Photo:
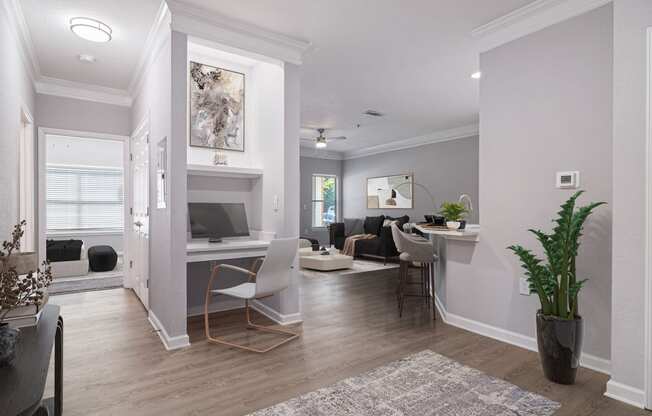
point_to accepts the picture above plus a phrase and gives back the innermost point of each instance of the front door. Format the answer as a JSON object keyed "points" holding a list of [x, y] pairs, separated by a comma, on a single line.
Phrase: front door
{"points": [[139, 211]]}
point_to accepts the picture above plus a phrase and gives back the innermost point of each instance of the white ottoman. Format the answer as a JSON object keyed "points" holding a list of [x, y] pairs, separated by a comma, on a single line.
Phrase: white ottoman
{"points": [[326, 263]]}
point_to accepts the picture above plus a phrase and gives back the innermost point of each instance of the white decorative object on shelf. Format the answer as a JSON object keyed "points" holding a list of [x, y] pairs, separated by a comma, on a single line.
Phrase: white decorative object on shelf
{"points": [[220, 158]]}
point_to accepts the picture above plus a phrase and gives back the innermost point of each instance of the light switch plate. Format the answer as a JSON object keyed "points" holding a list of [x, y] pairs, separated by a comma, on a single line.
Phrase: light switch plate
{"points": [[524, 287]]}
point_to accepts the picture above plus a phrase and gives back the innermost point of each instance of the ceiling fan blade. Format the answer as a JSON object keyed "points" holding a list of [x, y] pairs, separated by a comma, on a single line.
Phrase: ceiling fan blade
{"points": [[306, 139], [337, 138]]}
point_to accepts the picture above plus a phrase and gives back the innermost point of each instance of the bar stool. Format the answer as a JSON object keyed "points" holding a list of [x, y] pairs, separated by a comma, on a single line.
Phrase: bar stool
{"points": [[414, 249]]}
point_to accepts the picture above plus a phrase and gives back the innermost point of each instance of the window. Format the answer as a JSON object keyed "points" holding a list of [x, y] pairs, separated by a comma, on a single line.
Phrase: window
{"points": [[324, 200], [84, 199]]}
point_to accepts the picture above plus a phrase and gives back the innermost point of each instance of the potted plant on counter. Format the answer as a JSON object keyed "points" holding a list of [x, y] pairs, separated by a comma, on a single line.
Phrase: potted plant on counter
{"points": [[20, 287], [555, 282], [454, 212]]}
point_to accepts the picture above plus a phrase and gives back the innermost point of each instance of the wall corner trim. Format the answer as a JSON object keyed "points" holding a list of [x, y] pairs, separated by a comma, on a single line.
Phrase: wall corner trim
{"points": [[17, 24], [435, 137], [79, 91], [591, 362], [275, 316], [529, 19], [625, 394], [170, 343], [210, 25]]}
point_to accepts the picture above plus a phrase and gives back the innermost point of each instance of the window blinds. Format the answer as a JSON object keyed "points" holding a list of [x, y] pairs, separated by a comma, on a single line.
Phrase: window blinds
{"points": [[84, 199]]}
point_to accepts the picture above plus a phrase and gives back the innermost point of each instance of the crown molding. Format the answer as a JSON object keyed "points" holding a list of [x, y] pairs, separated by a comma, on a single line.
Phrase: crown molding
{"points": [[311, 151], [529, 19], [17, 24], [155, 40], [207, 24], [436, 137], [80, 91]]}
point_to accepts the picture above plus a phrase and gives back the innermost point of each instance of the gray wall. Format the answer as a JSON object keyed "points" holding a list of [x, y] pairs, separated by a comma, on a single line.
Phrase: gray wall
{"points": [[545, 106], [72, 114], [15, 91], [631, 19], [447, 169], [310, 166]]}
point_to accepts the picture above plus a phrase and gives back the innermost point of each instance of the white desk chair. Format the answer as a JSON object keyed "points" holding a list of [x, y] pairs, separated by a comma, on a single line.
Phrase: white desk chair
{"points": [[272, 277]]}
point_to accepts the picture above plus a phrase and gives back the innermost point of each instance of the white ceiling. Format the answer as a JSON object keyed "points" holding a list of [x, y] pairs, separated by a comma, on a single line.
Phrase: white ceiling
{"points": [[411, 63], [57, 48], [409, 59]]}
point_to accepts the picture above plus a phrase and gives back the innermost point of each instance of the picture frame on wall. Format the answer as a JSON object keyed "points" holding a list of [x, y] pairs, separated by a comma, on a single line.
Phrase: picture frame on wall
{"points": [[217, 108], [390, 192]]}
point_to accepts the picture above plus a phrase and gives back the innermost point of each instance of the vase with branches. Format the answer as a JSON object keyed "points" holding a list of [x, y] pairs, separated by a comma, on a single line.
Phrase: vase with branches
{"points": [[557, 285], [17, 288]]}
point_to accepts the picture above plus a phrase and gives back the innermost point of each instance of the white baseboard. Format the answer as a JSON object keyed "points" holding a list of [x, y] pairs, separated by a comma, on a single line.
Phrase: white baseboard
{"points": [[170, 343], [591, 362], [223, 305], [272, 314], [625, 394]]}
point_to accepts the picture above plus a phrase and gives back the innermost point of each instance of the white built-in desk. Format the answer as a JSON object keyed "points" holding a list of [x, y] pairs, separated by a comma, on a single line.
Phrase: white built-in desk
{"points": [[197, 251]]}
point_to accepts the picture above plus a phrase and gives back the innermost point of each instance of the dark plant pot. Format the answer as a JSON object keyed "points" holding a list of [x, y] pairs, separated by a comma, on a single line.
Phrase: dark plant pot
{"points": [[560, 347], [8, 340]]}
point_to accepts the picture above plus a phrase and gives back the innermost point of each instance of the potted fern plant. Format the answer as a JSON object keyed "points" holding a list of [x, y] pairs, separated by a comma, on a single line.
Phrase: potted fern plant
{"points": [[555, 282], [454, 212]]}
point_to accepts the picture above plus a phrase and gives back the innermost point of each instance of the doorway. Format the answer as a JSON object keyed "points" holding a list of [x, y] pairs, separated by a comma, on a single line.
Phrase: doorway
{"points": [[82, 182]]}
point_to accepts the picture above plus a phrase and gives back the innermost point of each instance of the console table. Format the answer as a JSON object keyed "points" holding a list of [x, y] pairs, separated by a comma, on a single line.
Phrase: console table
{"points": [[23, 383]]}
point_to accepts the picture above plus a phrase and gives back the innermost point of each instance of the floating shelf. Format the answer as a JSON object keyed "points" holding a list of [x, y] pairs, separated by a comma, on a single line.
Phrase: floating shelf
{"points": [[224, 171]]}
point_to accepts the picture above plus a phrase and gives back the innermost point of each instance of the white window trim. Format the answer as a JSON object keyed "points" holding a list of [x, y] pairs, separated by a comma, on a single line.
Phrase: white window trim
{"points": [[312, 201]]}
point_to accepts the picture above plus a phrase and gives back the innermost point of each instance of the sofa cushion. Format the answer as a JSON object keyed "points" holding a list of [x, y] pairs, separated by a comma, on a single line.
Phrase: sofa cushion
{"points": [[63, 250], [352, 226], [373, 225], [400, 221]]}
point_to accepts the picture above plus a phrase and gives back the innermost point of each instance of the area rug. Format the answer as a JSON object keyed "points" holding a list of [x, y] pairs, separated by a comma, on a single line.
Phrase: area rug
{"points": [[422, 384], [359, 266]]}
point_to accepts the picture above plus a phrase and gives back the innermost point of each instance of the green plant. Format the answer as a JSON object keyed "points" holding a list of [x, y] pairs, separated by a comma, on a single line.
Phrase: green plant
{"points": [[556, 283], [453, 211], [17, 290]]}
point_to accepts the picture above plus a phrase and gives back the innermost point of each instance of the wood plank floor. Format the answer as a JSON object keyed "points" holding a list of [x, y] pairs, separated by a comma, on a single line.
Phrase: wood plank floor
{"points": [[116, 365]]}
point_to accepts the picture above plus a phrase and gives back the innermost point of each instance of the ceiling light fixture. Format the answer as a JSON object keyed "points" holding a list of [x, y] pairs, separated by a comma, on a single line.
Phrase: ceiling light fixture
{"points": [[90, 29], [476, 75], [319, 144]]}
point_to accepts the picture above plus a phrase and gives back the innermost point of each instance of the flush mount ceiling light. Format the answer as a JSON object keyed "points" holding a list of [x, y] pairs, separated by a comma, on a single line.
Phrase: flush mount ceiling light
{"points": [[476, 75], [90, 29]]}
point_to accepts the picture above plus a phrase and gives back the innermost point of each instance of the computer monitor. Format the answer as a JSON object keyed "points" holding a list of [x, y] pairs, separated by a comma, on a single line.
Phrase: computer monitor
{"points": [[216, 221]]}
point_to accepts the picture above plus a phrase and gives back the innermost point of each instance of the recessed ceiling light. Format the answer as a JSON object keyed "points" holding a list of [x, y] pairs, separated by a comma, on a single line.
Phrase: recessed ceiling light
{"points": [[87, 58], [90, 29], [476, 75]]}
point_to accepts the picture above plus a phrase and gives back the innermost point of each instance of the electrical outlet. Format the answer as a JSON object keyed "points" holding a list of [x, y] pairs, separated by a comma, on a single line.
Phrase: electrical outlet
{"points": [[524, 286]]}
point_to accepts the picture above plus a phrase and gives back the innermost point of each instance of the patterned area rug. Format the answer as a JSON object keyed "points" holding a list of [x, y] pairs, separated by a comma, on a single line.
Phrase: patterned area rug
{"points": [[359, 266], [419, 385]]}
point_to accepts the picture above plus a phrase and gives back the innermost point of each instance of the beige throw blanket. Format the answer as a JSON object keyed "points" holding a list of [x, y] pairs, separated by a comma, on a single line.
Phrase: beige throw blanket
{"points": [[349, 243]]}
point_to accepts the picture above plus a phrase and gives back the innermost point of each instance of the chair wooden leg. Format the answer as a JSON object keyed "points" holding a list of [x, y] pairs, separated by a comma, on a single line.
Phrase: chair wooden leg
{"points": [[404, 278]]}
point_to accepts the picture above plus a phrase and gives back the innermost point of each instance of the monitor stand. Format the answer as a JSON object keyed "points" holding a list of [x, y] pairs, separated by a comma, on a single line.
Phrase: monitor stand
{"points": [[214, 240]]}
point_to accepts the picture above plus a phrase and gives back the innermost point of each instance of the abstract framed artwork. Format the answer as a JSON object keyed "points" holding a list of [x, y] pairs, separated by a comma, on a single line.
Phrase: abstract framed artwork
{"points": [[217, 108], [390, 192]]}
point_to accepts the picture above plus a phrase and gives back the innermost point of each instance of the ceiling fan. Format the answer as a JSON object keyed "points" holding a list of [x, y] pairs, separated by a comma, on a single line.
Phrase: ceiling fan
{"points": [[321, 141]]}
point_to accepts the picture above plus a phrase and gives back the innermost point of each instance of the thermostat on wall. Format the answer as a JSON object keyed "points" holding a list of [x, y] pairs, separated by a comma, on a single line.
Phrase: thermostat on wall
{"points": [[568, 180]]}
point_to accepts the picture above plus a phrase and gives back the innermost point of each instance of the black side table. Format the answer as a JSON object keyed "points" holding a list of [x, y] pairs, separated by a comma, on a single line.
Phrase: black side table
{"points": [[23, 383]]}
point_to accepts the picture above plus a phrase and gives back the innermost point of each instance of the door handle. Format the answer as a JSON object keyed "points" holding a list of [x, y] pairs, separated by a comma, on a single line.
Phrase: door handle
{"points": [[138, 224]]}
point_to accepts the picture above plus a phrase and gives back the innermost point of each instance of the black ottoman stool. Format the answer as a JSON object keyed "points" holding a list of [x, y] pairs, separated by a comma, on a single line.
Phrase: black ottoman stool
{"points": [[102, 258]]}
